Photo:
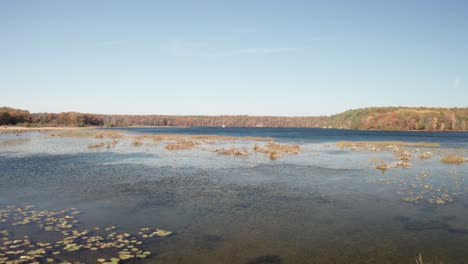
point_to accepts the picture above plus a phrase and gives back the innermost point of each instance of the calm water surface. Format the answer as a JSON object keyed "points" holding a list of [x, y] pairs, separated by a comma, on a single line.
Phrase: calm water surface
{"points": [[325, 205]]}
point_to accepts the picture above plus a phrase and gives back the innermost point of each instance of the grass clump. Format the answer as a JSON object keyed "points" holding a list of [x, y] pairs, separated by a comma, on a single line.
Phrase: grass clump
{"points": [[182, 145], [426, 155], [99, 134], [274, 150], [233, 152], [382, 144], [137, 143], [453, 159], [97, 145], [382, 167]]}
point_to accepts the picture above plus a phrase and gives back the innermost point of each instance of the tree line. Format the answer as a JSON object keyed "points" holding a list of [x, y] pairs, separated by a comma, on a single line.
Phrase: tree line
{"points": [[379, 118]]}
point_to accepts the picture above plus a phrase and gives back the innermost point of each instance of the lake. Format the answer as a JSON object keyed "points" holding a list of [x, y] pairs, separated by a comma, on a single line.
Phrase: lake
{"points": [[325, 204]]}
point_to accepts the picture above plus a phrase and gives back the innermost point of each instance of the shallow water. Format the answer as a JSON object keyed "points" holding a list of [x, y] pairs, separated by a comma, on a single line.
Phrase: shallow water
{"points": [[324, 205]]}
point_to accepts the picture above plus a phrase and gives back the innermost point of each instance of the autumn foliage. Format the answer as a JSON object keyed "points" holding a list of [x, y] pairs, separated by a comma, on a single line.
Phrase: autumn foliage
{"points": [[378, 118]]}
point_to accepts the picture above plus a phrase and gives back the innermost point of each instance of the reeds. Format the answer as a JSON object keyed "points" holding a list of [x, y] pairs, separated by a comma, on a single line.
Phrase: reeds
{"points": [[274, 150], [136, 142], [382, 144], [99, 134], [182, 145], [453, 159], [97, 145], [382, 167], [240, 152]]}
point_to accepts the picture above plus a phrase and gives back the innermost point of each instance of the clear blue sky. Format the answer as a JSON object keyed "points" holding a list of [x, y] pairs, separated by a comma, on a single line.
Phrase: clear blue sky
{"points": [[232, 57]]}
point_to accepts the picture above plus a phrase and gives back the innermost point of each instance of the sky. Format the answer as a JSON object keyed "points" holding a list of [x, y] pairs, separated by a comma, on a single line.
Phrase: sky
{"points": [[287, 58]]}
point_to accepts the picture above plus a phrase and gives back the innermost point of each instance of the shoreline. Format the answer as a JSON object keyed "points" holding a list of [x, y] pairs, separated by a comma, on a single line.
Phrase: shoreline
{"points": [[20, 129]]}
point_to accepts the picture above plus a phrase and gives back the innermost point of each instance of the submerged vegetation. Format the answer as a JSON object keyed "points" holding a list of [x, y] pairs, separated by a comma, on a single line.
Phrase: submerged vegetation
{"points": [[379, 118]]}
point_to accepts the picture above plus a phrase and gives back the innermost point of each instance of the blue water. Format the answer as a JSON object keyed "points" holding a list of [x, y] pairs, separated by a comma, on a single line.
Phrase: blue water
{"points": [[449, 139], [323, 205]]}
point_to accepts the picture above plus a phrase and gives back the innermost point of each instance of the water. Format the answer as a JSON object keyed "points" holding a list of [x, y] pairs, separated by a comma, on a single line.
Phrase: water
{"points": [[324, 205], [314, 134]]}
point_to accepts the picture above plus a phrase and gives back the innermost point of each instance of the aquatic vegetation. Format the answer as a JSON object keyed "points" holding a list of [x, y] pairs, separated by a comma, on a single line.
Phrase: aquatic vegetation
{"points": [[97, 145], [453, 159], [382, 167], [232, 152], [203, 137], [275, 150], [137, 142], [91, 133], [426, 155], [105, 241], [378, 145], [183, 145]]}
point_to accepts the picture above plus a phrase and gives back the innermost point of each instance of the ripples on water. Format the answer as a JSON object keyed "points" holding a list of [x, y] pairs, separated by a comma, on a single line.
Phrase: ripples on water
{"points": [[325, 205]]}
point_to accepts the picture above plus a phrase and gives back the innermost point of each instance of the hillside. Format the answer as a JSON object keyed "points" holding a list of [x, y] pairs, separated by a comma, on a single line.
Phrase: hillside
{"points": [[379, 118], [402, 118]]}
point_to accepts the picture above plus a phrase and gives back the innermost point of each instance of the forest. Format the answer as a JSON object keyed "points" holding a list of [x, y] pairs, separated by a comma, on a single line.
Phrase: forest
{"points": [[374, 118]]}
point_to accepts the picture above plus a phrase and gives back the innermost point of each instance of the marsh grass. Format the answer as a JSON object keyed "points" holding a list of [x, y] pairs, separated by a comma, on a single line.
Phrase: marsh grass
{"points": [[181, 145], [137, 142], [99, 134], [382, 144], [97, 145], [275, 150], [382, 167], [426, 155], [453, 159], [240, 152]]}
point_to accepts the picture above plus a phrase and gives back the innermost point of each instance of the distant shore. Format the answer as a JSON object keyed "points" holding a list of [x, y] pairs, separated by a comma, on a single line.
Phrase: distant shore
{"points": [[20, 129], [23, 129]]}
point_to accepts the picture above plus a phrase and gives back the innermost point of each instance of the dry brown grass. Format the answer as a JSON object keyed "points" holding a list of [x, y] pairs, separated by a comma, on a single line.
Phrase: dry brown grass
{"points": [[137, 142], [426, 155], [253, 138], [381, 144], [19, 129], [183, 145], [103, 144], [382, 166], [100, 134], [240, 152], [453, 159], [97, 145], [285, 148], [274, 150], [180, 137]]}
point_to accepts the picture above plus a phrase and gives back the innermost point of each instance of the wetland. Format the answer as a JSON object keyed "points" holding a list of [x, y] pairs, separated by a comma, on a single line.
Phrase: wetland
{"points": [[233, 195]]}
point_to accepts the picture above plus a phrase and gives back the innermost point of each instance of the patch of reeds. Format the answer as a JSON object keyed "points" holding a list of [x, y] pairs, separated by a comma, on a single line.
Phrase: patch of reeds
{"points": [[240, 152], [274, 150], [426, 155], [103, 144], [100, 134], [382, 167], [382, 144], [97, 145], [182, 145], [137, 142], [203, 137], [453, 159]]}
